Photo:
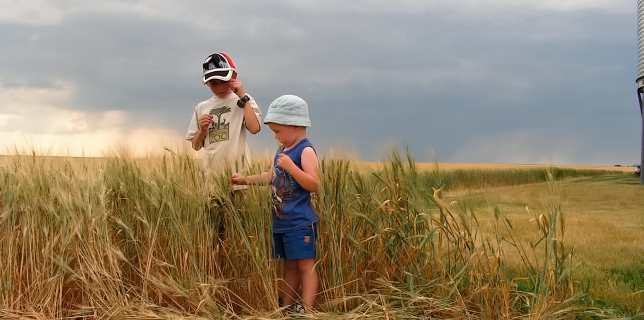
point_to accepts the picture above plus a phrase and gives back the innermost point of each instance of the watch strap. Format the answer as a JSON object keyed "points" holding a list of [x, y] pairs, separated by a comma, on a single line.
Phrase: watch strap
{"points": [[243, 100]]}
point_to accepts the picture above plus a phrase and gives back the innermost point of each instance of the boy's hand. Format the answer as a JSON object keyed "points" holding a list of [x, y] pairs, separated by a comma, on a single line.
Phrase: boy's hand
{"points": [[204, 122], [285, 162], [237, 179], [237, 87]]}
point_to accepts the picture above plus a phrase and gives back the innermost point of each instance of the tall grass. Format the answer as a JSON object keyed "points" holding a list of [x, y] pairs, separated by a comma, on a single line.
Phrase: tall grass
{"points": [[158, 238]]}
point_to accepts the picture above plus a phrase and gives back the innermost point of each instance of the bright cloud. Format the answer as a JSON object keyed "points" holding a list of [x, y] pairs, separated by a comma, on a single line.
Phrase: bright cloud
{"points": [[36, 119]]}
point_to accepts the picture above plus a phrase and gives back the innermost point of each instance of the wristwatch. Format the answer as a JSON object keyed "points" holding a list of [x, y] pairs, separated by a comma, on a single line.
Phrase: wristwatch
{"points": [[242, 101]]}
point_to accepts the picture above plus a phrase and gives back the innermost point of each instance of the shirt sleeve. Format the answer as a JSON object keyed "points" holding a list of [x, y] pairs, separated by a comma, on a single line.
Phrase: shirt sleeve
{"points": [[258, 112], [193, 126]]}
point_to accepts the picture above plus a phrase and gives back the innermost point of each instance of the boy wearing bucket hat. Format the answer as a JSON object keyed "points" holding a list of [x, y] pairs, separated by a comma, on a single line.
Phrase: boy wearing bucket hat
{"points": [[293, 178], [218, 125]]}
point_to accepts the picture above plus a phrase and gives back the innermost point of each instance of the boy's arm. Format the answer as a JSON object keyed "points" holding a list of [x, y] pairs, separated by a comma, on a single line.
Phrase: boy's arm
{"points": [[200, 136], [260, 179], [198, 140], [198, 129], [251, 120], [307, 177]]}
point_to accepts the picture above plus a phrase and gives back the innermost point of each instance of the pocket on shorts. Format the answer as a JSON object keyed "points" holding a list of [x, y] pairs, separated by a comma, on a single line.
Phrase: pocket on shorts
{"points": [[310, 234]]}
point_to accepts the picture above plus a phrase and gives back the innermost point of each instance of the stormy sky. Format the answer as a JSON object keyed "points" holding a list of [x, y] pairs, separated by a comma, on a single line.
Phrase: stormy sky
{"points": [[460, 81]]}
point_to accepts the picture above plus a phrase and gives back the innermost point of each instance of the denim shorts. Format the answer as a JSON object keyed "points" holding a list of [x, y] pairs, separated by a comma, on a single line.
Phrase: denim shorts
{"points": [[295, 244]]}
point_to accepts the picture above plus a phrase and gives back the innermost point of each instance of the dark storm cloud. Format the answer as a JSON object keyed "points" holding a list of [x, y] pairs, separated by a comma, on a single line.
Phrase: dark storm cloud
{"points": [[435, 79]]}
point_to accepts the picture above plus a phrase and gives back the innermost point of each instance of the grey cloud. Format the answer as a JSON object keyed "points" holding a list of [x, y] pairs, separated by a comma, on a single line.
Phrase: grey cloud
{"points": [[436, 78]]}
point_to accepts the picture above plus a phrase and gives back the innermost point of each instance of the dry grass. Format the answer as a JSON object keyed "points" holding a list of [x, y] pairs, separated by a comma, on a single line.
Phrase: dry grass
{"points": [[604, 224], [154, 238]]}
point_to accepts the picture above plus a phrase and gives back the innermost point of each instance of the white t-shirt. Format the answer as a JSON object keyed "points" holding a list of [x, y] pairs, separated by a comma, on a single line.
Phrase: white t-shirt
{"points": [[225, 143]]}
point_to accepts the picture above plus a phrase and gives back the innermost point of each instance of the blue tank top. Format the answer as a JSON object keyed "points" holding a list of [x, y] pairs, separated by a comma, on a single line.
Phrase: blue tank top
{"points": [[292, 208]]}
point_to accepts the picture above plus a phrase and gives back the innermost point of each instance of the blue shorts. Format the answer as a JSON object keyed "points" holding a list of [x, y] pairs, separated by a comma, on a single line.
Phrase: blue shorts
{"points": [[295, 244]]}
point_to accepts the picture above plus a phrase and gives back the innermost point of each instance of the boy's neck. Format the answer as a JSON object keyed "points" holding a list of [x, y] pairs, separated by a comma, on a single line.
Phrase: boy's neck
{"points": [[223, 96], [301, 136]]}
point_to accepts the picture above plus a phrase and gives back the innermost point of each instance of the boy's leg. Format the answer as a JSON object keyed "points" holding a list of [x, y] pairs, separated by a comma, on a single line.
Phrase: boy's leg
{"points": [[219, 211], [216, 215], [287, 287], [291, 282], [310, 282], [299, 247]]}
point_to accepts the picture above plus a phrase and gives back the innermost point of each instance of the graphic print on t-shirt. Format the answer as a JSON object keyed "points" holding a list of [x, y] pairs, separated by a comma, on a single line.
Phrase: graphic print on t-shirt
{"points": [[219, 130], [283, 188]]}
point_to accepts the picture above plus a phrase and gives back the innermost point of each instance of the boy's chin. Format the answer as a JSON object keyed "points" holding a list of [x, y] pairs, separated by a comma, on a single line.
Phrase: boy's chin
{"points": [[222, 94]]}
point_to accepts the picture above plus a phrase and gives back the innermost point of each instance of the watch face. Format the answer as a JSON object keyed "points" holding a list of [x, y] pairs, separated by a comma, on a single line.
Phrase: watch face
{"points": [[242, 101]]}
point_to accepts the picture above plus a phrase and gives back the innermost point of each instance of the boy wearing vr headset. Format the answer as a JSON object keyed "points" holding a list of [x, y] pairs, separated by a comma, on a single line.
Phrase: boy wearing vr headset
{"points": [[218, 125]]}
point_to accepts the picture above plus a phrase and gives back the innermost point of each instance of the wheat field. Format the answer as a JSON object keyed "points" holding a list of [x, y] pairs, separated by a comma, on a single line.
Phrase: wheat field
{"points": [[155, 238]]}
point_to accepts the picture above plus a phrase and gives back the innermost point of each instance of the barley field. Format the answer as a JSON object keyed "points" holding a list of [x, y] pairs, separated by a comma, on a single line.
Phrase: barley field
{"points": [[155, 238]]}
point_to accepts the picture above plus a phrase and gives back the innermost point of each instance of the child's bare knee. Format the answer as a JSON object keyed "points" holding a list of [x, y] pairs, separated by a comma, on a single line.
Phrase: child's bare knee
{"points": [[306, 266], [291, 265]]}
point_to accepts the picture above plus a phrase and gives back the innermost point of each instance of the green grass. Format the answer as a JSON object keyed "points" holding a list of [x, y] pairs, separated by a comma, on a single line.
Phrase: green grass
{"points": [[478, 179], [605, 226], [125, 238]]}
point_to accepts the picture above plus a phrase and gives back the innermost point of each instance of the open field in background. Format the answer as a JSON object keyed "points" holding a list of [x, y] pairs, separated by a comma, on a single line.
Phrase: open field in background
{"points": [[143, 238], [504, 166], [372, 165], [604, 217]]}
